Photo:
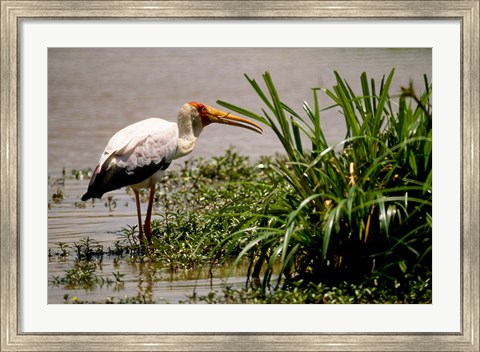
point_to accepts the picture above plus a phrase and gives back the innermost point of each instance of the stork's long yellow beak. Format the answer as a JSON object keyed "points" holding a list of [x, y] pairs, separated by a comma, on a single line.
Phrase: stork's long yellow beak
{"points": [[211, 115]]}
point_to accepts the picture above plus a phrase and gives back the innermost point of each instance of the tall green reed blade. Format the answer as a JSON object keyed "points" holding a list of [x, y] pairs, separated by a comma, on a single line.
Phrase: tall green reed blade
{"points": [[344, 100], [382, 100], [279, 113], [260, 93], [296, 135], [319, 143], [301, 123], [244, 112], [368, 99]]}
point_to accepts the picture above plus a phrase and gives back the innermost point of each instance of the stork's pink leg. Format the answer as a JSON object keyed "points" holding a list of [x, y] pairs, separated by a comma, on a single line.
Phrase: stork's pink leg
{"points": [[139, 215], [148, 227]]}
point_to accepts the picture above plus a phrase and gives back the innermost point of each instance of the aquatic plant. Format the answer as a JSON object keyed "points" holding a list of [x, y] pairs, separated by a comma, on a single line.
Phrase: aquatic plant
{"points": [[58, 196], [81, 274], [351, 210]]}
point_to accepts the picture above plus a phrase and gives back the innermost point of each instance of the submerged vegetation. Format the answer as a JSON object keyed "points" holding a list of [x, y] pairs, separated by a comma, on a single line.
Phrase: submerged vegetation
{"points": [[320, 223]]}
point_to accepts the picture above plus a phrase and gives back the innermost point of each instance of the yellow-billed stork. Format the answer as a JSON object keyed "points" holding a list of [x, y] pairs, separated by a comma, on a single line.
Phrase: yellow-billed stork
{"points": [[137, 155]]}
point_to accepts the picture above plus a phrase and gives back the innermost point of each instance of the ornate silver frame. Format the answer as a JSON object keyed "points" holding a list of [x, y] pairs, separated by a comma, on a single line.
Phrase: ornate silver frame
{"points": [[467, 12]]}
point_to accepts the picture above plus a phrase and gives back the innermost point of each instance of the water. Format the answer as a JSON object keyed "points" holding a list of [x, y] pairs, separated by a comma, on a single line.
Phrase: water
{"points": [[94, 92]]}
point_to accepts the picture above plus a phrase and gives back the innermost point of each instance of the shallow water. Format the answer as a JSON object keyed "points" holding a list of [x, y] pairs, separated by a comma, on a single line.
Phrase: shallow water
{"points": [[93, 92], [70, 221]]}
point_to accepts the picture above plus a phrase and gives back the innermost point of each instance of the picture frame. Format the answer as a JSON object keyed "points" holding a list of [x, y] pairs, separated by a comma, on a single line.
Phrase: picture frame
{"points": [[12, 12]]}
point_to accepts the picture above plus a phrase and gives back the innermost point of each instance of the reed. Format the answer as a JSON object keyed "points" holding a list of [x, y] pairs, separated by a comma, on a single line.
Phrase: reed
{"points": [[349, 211]]}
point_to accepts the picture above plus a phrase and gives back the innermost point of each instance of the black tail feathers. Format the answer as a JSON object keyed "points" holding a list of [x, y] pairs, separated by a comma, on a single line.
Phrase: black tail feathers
{"points": [[89, 195], [86, 196]]}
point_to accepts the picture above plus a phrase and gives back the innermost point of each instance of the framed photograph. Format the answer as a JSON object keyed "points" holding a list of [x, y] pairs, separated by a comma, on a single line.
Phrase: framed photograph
{"points": [[159, 55]]}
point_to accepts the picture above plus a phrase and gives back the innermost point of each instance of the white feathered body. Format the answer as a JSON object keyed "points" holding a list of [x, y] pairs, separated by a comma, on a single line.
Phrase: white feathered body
{"points": [[137, 156], [143, 143]]}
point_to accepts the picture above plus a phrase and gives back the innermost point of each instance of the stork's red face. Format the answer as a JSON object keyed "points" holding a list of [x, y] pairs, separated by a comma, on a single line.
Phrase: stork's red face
{"points": [[211, 115]]}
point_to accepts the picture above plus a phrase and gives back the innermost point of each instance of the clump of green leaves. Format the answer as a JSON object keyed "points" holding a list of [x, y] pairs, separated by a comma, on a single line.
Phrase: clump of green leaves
{"points": [[352, 210], [201, 203], [86, 248], [58, 196], [81, 275]]}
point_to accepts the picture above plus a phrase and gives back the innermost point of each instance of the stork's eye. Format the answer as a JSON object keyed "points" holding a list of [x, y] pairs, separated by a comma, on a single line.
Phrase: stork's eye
{"points": [[203, 109]]}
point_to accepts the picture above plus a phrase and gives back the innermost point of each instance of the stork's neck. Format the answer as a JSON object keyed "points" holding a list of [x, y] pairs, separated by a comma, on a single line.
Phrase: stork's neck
{"points": [[188, 131], [186, 144]]}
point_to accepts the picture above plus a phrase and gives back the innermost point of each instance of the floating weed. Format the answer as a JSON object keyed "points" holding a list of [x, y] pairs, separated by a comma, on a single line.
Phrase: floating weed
{"points": [[82, 274], [80, 205], [118, 277], [111, 203], [63, 248], [86, 248], [80, 174], [58, 196], [55, 280]]}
